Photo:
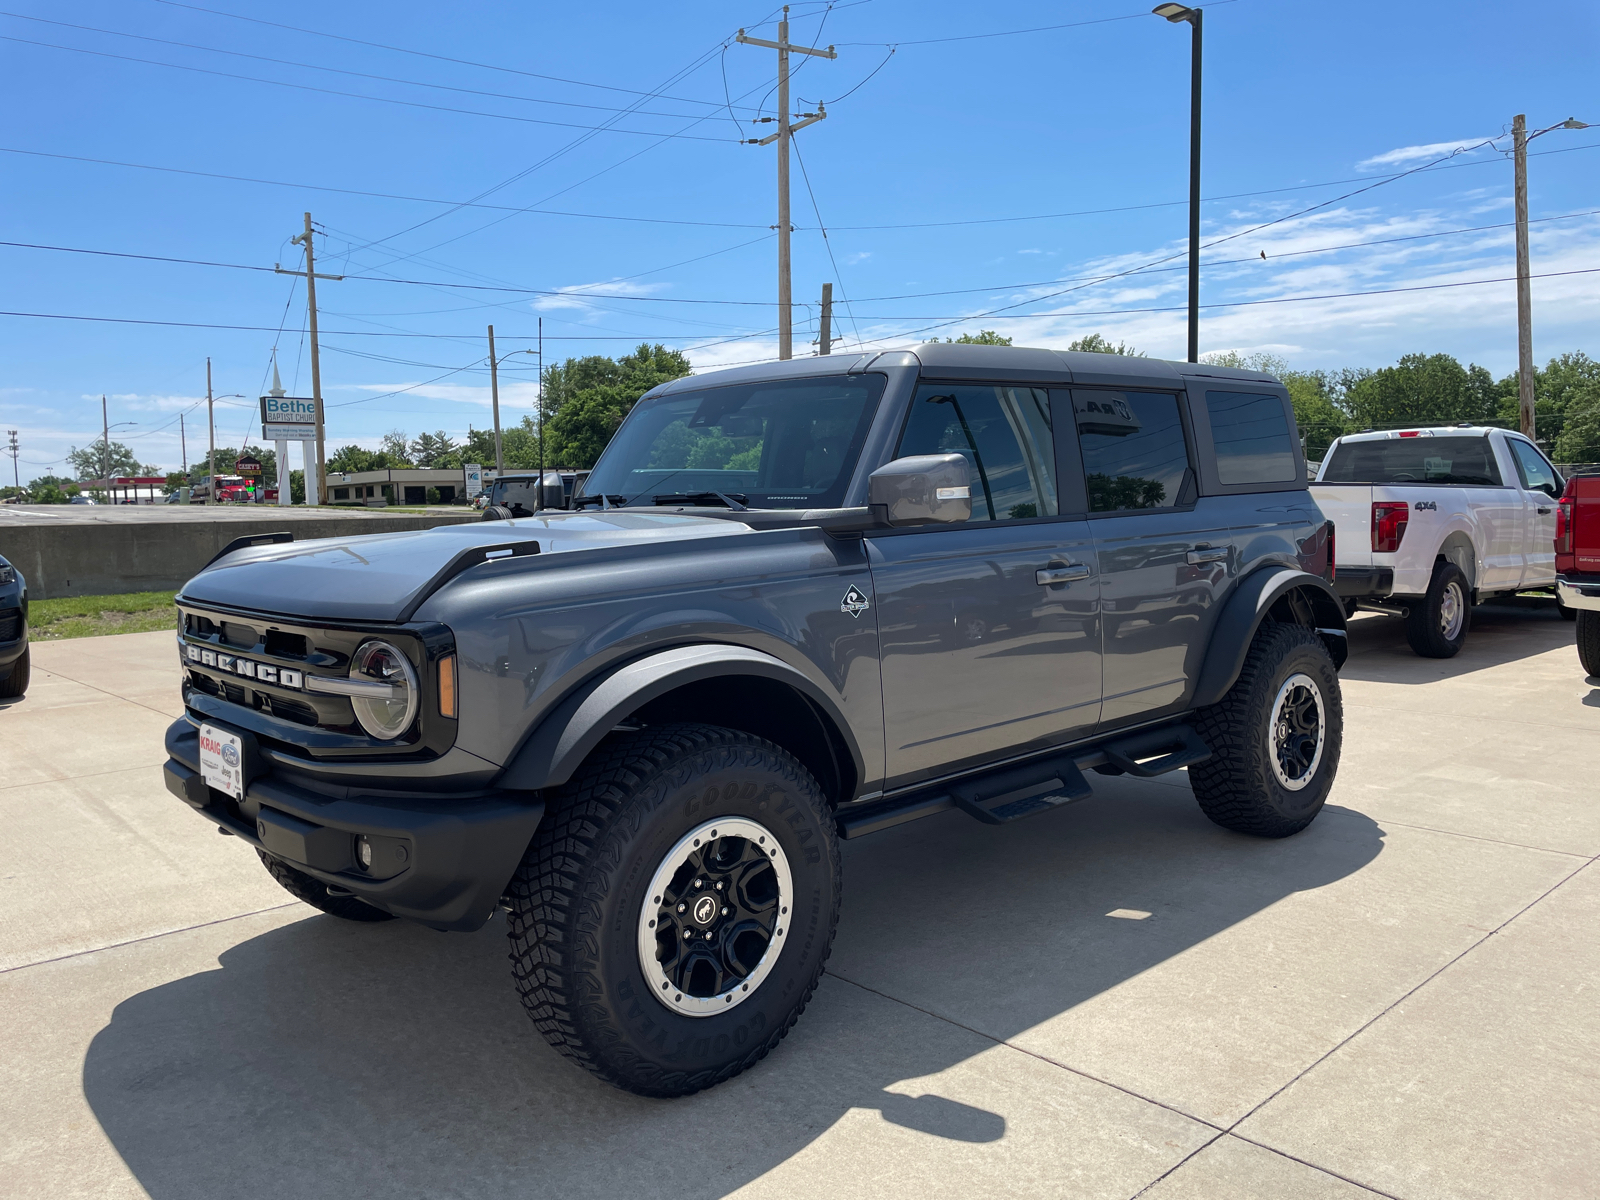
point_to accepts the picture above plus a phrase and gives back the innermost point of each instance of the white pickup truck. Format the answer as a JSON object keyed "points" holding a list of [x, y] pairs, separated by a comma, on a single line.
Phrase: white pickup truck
{"points": [[1429, 522]]}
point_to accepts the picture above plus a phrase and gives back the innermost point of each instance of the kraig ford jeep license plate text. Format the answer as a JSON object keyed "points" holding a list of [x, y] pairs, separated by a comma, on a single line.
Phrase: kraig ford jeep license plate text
{"points": [[222, 760]]}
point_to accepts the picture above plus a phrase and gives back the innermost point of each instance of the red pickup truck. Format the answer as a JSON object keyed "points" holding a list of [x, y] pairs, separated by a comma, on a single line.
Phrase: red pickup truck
{"points": [[1578, 562]]}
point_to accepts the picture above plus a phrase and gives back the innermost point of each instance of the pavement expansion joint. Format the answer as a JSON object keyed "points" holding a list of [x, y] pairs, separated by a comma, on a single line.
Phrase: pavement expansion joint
{"points": [[148, 937]]}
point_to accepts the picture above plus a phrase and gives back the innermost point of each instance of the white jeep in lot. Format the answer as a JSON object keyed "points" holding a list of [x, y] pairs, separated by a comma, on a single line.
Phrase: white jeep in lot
{"points": [[1429, 522]]}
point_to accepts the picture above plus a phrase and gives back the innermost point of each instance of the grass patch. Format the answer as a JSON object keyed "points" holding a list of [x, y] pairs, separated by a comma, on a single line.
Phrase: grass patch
{"points": [[92, 616]]}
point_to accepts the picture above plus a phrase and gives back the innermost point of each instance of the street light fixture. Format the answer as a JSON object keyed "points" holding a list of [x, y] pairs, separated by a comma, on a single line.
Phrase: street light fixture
{"points": [[1520, 137], [1178, 14]]}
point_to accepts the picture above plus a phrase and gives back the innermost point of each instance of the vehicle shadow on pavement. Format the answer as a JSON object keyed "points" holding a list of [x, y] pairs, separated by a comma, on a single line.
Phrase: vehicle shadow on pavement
{"points": [[329, 1058], [1503, 631]]}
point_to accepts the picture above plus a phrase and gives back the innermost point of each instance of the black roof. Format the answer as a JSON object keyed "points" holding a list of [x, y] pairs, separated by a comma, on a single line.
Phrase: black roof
{"points": [[952, 360]]}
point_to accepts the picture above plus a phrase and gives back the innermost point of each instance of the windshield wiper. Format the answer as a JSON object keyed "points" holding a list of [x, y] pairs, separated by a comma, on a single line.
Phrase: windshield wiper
{"points": [[603, 500], [734, 500]]}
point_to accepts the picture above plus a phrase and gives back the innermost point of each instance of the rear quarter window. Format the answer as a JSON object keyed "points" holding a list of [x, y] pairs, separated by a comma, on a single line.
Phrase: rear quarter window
{"points": [[1251, 436]]}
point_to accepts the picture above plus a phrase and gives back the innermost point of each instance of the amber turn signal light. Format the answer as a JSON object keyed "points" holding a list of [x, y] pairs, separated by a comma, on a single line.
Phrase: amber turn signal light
{"points": [[447, 686]]}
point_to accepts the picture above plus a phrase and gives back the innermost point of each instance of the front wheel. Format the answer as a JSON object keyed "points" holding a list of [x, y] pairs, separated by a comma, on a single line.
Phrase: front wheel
{"points": [[675, 910], [1275, 737], [1436, 626], [14, 684]]}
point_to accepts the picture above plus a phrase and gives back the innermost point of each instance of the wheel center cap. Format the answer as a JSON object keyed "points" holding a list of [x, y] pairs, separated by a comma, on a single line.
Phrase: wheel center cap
{"points": [[704, 910]]}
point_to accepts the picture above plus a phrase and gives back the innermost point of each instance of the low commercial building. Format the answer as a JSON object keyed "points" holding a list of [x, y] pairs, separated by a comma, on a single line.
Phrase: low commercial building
{"points": [[399, 485], [128, 489]]}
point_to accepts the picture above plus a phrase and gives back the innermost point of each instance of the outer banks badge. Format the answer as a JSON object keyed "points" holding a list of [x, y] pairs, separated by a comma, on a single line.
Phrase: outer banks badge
{"points": [[855, 602]]}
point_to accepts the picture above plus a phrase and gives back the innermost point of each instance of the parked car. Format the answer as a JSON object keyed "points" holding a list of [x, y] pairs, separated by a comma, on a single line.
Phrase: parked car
{"points": [[1433, 521], [792, 604], [1578, 563], [15, 665], [80, 500]]}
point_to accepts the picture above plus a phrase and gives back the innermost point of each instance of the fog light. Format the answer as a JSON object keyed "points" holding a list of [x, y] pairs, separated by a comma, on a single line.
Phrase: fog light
{"points": [[364, 851]]}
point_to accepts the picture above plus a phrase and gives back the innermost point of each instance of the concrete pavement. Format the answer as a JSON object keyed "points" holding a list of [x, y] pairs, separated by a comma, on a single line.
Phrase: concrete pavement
{"points": [[1111, 1000]]}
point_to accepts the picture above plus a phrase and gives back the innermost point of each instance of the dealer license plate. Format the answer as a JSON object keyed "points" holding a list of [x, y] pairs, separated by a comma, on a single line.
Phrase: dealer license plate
{"points": [[222, 760]]}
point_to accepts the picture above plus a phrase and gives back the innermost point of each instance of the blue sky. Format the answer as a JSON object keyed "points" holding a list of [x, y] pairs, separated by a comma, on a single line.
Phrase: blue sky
{"points": [[962, 174]]}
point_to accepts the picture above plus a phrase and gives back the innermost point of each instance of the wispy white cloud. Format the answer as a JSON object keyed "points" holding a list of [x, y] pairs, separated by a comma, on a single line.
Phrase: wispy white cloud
{"points": [[576, 295], [1405, 156]]}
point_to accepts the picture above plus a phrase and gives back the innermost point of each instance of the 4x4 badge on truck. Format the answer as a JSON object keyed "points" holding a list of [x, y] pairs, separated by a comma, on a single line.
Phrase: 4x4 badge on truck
{"points": [[855, 602]]}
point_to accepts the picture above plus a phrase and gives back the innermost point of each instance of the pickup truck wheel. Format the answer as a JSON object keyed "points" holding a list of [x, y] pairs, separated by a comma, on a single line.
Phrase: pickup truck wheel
{"points": [[1275, 737], [1589, 641], [1437, 625], [14, 684], [673, 915], [315, 893]]}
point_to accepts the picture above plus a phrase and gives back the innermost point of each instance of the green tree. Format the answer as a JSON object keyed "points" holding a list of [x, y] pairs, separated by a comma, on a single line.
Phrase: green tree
{"points": [[1562, 381], [349, 459], [1095, 343], [984, 337], [562, 381], [579, 426], [397, 446], [1430, 389], [101, 461], [1579, 439], [433, 449]]}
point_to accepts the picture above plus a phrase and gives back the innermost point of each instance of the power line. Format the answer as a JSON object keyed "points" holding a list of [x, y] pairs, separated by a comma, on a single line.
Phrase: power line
{"points": [[638, 337], [307, 87], [287, 62], [973, 37]]}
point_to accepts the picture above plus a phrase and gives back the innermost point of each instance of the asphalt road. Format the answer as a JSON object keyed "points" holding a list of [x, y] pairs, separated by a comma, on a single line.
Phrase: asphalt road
{"points": [[1110, 1000]]}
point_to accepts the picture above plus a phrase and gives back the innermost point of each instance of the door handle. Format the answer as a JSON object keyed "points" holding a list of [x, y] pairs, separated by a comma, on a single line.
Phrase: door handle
{"points": [[1206, 554], [1544, 512], [1047, 576]]}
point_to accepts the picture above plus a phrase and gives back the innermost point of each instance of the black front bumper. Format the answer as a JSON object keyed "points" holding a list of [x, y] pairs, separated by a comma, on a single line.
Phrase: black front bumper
{"points": [[437, 858], [1364, 583]]}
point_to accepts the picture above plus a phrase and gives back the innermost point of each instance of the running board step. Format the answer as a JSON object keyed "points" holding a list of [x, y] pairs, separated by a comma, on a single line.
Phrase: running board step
{"points": [[1147, 755], [1022, 791]]}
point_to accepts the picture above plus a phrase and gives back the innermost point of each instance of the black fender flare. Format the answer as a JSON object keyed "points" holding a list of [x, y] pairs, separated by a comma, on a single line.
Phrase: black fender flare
{"points": [[565, 737], [1245, 610]]}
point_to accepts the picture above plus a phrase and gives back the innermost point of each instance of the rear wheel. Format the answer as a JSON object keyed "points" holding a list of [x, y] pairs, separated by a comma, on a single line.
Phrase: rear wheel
{"points": [[672, 917], [14, 684], [315, 893], [1589, 641], [1275, 737], [1437, 624]]}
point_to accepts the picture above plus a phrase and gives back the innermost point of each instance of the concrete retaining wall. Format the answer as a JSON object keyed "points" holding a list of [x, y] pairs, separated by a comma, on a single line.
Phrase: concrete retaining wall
{"points": [[90, 558]]}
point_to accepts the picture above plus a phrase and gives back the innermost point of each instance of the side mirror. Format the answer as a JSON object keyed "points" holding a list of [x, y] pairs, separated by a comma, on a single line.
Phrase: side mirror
{"points": [[925, 489], [552, 493]]}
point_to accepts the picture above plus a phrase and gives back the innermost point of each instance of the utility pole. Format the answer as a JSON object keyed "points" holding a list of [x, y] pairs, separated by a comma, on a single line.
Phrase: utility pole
{"points": [[825, 324], [105, 439], [785, 131], [537, 495], [16, 476], [494, 393], [318, 476], [183, 444], [211, 454], [1519, 148]]}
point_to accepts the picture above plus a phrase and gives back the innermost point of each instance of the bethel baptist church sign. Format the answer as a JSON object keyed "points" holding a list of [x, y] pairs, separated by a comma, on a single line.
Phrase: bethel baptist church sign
{"points": [[288, 419]]}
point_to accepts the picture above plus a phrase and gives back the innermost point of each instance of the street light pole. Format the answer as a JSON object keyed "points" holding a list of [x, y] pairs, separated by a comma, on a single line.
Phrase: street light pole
{"points": [[1177, 13], [1520, 137]]}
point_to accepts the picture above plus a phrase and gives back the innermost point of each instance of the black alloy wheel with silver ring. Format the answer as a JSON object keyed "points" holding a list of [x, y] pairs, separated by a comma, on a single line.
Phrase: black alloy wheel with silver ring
{"points": [[712, 922], [1297, 731]]}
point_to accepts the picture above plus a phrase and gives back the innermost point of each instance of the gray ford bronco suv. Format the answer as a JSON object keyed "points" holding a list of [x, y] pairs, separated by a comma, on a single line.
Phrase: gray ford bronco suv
{"points": [[793, 603]]}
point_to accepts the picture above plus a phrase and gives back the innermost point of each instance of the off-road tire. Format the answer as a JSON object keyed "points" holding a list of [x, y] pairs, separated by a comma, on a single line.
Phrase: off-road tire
{"points": [[1237, 786], [315, 893], [1425, 619], [14, 684], [1589, 641], [497, 512], [576, 901]]}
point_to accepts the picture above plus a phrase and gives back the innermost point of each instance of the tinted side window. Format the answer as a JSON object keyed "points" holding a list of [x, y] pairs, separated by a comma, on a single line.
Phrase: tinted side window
{"points": [[1002, 432], [1537, 475], [1251, 436], [1134, 453]]}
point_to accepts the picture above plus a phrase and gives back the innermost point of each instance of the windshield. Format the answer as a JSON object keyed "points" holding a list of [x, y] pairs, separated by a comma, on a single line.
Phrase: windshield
{"points": [[1467, 460], [776, 444]]}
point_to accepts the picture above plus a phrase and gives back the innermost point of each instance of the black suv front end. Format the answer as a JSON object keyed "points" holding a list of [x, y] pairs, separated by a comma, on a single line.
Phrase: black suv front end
{"points": [[334, 747]]}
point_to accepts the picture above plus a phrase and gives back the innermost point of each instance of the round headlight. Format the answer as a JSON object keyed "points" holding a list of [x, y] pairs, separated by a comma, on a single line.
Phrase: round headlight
{"points": [[384, 718]]}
